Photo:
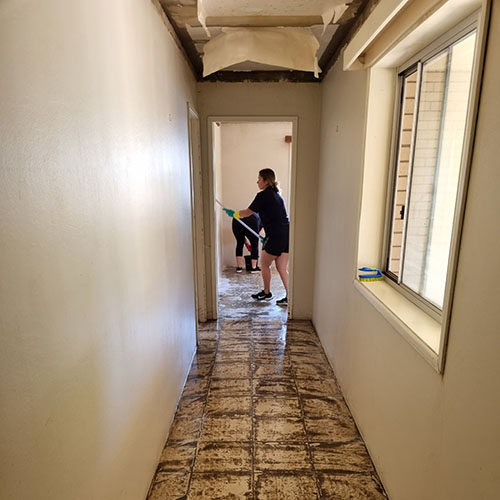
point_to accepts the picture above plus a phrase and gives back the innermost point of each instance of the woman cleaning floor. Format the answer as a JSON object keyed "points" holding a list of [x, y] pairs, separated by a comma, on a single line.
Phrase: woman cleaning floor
{"points": [[270, 206]]}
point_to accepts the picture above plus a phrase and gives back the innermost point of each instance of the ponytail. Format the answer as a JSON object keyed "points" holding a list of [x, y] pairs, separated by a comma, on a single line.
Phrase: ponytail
{"points": [[268, 175]]}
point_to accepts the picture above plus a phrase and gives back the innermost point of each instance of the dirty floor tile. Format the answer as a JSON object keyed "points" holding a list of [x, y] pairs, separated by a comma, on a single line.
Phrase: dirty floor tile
{"points": [[177, 457], [185, 429], [341, 457], [222, 457], [277, 407], [355, 486], [236, 428], [284, 429], [286, 486], [220, 486], [228, 405], [336, 429], [282, 456], [169, 485], [261, 416]]}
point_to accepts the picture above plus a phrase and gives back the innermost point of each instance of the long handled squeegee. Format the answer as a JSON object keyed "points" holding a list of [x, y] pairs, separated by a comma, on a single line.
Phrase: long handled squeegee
{"points": [[242, 223]]}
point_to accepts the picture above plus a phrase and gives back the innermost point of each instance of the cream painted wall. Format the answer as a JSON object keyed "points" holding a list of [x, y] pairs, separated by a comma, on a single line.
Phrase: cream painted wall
{"points": [[246, 148], [278, 99], [431, 437], [96, 291]]}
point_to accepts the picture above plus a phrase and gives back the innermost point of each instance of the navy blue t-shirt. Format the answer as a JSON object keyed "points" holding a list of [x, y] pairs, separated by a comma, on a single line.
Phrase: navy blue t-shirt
{"points": [[270, 206]]}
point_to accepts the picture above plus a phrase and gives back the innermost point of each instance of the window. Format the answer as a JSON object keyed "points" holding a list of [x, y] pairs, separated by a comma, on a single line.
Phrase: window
{"points": [[423, 86], [431, 122]]}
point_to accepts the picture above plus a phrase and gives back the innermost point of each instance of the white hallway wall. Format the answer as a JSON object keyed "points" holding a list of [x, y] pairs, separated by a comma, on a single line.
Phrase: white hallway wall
{"points": [[247, 148], [277, 99], [95, 201], [432, 437]]}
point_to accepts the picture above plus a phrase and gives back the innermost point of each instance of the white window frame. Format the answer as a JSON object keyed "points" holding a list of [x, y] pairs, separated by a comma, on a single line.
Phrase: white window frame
{"points": [[422, 327], [450, 38]]}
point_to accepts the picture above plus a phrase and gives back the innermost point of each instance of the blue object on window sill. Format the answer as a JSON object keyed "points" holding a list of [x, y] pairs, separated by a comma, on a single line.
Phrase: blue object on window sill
{"points": [[370, 274]]}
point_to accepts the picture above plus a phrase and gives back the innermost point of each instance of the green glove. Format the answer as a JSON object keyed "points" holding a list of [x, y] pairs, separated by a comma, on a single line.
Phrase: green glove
{"points": [[229, 212]]}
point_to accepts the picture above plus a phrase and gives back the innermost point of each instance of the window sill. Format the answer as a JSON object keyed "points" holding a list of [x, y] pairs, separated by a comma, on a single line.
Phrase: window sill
{"points": [[418, 328]]}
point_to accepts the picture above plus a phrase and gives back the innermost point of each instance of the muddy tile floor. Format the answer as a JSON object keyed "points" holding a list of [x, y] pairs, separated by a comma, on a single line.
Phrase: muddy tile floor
{"points": [[235, 292], [262, 418]]}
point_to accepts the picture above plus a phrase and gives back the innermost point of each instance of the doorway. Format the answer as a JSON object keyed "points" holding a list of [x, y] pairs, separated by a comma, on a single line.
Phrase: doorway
{"points": [[240, 147]]}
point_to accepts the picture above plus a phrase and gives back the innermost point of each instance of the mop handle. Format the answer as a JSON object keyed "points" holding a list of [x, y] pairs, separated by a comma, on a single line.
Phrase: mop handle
{"points": [[240, 221]]}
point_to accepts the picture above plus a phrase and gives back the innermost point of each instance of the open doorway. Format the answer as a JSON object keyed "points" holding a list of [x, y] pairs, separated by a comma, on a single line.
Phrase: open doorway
{"points": [[240, 148]]}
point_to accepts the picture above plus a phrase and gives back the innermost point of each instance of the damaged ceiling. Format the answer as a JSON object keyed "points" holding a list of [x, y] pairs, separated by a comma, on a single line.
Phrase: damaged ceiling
{"points": [[257, 40]]}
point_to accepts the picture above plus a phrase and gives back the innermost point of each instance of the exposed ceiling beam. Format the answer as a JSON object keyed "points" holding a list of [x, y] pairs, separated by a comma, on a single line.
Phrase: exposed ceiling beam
{"points": [[182, 14]]}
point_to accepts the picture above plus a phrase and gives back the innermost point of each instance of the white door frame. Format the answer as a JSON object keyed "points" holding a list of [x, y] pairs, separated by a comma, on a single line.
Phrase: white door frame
{"points": [[213, 207], [200, 295]]}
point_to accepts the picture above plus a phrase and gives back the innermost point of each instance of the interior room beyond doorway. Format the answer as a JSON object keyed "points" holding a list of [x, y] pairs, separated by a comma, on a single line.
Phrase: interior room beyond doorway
{"points": [[240, 150]]}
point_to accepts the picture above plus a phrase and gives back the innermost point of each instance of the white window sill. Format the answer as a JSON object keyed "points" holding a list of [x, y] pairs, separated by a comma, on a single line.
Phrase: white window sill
{"points": [[418, 328]]}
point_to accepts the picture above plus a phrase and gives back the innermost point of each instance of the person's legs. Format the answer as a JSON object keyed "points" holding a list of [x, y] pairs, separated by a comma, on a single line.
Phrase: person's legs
{"points": [[254, 242], [282, 266], [265, 261], [239, 234]]}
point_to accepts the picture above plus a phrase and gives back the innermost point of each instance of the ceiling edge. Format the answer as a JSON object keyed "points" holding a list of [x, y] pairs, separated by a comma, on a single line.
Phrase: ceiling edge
{"points": [[182, 40], [345, 33]]}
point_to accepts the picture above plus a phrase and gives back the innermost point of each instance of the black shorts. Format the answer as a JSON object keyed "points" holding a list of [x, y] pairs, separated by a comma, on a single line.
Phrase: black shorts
{"points": [[276, 243]]}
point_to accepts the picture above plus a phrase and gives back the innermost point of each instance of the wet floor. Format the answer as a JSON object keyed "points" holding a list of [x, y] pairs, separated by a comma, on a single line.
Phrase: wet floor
{"points": [[235, 301], [262, 416]]}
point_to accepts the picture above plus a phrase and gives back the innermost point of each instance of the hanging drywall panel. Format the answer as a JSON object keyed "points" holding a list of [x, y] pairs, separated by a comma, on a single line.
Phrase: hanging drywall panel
{"points": [[293, 48]]}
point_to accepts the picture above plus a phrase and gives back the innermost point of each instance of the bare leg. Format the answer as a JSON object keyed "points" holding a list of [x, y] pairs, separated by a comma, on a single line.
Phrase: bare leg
{"points": [[239, 261], [254, 263], [282, 266], [265, 261]]}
